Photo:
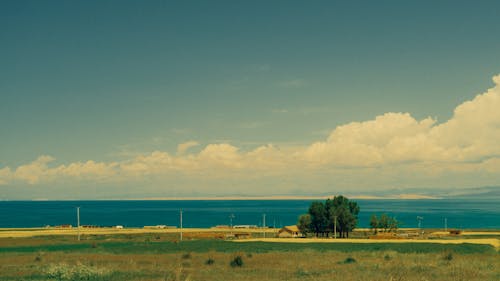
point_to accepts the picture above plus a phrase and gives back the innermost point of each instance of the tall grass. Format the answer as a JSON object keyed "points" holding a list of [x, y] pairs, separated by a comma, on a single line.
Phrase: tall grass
{"points": [[132, 258], [294, 266], [200, 246]]}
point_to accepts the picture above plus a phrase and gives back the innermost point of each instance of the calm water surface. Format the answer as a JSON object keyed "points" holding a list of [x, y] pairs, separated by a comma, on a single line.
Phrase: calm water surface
{"points": [[459, 213]]}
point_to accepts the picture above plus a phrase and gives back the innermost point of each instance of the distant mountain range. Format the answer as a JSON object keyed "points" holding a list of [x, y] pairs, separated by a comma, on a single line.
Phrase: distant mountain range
{"points": [[489, 192]]}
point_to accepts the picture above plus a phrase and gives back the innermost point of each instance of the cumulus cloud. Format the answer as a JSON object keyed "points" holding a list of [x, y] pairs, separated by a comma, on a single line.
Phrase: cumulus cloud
{"points": [[388, 150], [39, 171], [471, 135], [370, 143], [32, 172], [183, 147], [5, 175]]}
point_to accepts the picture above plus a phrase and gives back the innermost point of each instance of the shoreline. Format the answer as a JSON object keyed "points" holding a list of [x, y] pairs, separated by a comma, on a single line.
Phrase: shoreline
{"points": [[243, 198]]}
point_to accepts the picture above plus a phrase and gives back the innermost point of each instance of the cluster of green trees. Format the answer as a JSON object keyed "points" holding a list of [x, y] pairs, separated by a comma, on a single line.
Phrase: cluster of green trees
{"points": [[322, 218], [385, 223]]}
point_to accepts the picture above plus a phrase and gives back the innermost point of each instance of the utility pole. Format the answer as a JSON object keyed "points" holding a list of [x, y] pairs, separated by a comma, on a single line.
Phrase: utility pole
{"points": [[264, 225], [78, 221], [335, 227], [181, 222], [231, 217], [420, 219]]}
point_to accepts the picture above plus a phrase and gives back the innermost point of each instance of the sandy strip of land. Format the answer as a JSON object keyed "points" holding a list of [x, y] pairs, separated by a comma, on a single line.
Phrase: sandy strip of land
{"points": [[31, 232], [488, 241]]}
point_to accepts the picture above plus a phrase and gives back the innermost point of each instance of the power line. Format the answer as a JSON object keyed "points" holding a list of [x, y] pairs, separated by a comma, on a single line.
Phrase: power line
{"points": [[181, 223], [264, 225], [78, 221]]}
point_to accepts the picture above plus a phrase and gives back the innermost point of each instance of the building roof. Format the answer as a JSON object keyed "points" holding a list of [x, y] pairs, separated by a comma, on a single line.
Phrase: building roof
{"points": [[290, 228]]}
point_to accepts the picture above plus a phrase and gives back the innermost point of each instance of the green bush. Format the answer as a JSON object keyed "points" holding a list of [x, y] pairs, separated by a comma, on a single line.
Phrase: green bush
{"points": [[237, 262], [349, 260]]}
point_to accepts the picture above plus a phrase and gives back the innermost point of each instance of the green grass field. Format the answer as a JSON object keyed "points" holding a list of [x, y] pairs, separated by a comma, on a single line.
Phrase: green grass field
{"points": [[161, 257]]}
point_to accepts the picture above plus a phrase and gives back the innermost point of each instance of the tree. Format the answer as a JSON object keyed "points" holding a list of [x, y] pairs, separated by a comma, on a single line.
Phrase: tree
{"points": [[374, 223], [304, 224], [393, 224], [346, 212], [338, 211], [383, 222], [319, 220], [387, 223]]}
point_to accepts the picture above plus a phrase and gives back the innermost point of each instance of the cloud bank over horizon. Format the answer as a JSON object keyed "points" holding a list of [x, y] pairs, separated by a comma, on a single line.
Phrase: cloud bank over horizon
{"points": [[392, 150]]}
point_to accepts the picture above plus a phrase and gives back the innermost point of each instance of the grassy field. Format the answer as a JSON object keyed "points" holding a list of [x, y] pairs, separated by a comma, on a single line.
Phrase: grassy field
{"points": [[162, 257]]}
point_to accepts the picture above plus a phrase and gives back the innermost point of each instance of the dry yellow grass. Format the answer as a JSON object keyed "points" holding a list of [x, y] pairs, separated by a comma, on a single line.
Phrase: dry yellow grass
{"points": [[31, 232], [294, 266], [487, 241]]}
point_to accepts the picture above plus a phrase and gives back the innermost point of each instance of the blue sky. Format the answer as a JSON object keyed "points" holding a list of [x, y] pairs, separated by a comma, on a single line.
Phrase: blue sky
{"points": [[110, 81]]}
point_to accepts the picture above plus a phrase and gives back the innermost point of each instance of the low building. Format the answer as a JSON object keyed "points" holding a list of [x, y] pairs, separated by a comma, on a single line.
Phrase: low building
{"points": [[245, 226], [291, 231], [242, 235], [64, 226]]}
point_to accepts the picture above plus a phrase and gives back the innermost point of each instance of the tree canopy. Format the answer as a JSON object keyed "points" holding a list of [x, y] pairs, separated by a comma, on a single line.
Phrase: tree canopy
{"points": [[337, 212], [385, 223]]}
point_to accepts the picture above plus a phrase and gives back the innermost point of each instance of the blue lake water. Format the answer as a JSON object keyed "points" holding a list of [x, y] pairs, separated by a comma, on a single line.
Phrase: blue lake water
{"points": [[459, 213]]}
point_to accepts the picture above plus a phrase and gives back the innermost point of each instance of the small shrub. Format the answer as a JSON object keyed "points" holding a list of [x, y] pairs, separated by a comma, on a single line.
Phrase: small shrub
{"points": [[349, 260], [38, 257], [249, 255], [448, 256], [305, 273], [210, 261], [93, 245], [186, 256], [387, 257], [302, 273], [63, 272], [236, 262]]}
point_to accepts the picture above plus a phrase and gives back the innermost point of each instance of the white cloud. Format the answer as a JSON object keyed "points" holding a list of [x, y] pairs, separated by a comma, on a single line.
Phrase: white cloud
{"points": [[5, 175], [95, 170], [223, 155], [471, 135], [39, 171], [393, 149], [183, 147], [361, 144], [34, 171]]}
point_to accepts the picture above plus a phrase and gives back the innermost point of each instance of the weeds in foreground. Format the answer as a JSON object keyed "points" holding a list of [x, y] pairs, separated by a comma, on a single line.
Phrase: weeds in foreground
{"points": [[349, 260], [448, 256], [63, 272], [236, 262]]}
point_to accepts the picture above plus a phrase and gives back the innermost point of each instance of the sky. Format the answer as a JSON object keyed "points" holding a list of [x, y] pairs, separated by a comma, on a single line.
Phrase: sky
{"points": [[139, 99]]}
